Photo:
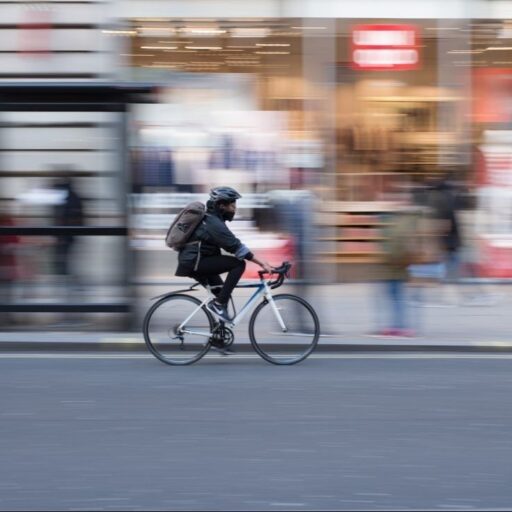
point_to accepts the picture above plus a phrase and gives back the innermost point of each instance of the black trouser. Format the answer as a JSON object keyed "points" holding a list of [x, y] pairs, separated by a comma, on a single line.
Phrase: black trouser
{"points": [[62, 256], [209, 269]]}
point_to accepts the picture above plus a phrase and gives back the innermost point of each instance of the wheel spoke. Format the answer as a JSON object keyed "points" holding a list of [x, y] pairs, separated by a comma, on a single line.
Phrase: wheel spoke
{"points": [[170, 343], [288, 346]]}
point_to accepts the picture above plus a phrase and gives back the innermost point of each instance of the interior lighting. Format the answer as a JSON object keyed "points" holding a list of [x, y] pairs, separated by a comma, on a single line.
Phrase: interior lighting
{"points": [[203, 47], [136, 55], [492, 48], [273, 53], [158, 47], [155, 31], [143, 20], [250, 32], [120, 32], [242, 58], [203, 30], [465, 51], [243, 64], [272, 44], [167, 66]]}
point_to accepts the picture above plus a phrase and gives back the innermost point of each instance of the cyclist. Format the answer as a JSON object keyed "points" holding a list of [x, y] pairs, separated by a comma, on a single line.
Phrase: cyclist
{"points": [[201, 257]]}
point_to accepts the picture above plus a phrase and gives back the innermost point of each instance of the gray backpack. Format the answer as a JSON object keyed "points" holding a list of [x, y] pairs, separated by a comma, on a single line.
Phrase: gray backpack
{"points": [[184, 225]]}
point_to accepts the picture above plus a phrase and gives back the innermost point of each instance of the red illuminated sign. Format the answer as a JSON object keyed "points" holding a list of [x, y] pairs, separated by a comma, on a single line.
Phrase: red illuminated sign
{"points": [[385, 47]]}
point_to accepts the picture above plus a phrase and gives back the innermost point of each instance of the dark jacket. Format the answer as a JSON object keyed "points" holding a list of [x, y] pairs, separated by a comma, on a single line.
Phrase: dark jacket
{"points": [[69, 213], [208, 239], [443, 202]]}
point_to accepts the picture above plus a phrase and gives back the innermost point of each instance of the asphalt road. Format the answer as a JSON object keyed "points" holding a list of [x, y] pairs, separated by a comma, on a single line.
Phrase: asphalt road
{"points": [[352, 432]]}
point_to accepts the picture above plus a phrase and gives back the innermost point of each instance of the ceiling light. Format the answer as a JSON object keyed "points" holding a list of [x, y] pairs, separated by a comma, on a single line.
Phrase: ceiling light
{"points": [[235, 46], [203, 30], [272, 44], [120, 32], [202, 63], [465, 51], [243, 57], [491, 48], [158, 47], [168, 66], [273, 53], [250, 32], [244, 64], [203, 47], [241, 62]]}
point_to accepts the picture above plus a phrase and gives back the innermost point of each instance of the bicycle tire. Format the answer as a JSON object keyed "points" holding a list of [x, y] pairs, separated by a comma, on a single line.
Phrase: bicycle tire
{"points": [[168, 348], [293, 346]]}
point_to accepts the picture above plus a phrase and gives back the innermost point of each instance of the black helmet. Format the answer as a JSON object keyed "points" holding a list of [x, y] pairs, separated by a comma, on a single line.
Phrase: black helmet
{"points": [[224, 194]]}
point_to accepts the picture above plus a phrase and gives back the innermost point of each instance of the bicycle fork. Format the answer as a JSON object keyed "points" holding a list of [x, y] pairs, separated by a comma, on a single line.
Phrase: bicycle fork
{"points": [[275, 309]]}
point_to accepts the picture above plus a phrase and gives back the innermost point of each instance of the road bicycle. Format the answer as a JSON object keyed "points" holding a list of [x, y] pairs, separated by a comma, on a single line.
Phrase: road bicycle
{"points": [[283, 329]]}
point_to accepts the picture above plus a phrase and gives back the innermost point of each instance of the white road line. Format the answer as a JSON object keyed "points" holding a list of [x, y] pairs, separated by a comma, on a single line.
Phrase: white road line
{"points": [[35, 355]]}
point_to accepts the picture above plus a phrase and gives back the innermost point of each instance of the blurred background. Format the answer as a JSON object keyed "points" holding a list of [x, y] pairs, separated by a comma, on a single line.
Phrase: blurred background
{"points": [[329, 117]]}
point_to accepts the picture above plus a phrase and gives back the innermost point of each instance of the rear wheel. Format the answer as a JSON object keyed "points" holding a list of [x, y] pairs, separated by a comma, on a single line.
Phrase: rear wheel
{"points": [[289, 343], [169, 340]]}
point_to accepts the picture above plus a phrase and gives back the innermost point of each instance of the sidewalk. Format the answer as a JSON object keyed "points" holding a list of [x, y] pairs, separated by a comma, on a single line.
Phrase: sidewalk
{"points": [[347, 312]]}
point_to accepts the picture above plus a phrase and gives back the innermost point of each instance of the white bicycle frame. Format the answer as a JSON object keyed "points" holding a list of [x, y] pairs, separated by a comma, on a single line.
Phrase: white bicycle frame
{"points": [[263, 289]]}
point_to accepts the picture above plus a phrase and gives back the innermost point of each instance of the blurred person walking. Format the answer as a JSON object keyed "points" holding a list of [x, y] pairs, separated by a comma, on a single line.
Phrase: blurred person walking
{"points": [[399, 247], [8, 264], [293, 212], [440, 198], [67, 212]]}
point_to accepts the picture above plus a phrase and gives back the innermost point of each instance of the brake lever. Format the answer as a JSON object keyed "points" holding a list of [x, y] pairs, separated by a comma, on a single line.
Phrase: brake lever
{"points": [[261, 273]]}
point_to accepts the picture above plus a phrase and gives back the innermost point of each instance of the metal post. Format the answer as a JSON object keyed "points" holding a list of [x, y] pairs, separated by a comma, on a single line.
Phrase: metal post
{"points": [[124, 181]]}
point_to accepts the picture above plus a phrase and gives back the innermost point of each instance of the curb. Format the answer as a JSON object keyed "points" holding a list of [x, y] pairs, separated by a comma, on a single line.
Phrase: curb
{"points": [[129, 346]]}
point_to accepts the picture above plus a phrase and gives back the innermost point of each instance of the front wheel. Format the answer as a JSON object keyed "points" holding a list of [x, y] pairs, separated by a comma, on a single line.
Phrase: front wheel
{"points": [[177, 329], [285, 335]]}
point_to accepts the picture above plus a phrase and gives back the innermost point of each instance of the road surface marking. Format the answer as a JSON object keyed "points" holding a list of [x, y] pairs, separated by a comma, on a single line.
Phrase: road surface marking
{"points": [[71, 355]]}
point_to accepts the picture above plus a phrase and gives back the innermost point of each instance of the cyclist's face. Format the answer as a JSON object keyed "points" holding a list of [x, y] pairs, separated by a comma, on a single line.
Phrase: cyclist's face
{"points": [[228, 211]]}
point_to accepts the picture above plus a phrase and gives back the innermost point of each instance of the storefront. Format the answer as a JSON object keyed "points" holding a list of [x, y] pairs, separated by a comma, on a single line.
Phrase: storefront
{"points": [[492, 172], [343, 108]]}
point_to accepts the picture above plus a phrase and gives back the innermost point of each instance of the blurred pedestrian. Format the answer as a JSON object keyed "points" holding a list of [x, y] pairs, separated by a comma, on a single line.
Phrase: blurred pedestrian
{"points": [[428, 269], [67, 212], [399, 248], [441, 199], [8, 266], [293, 212]]}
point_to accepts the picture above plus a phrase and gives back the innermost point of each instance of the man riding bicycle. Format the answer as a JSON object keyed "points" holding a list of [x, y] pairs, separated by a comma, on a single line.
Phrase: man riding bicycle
{"points": [[201, 258]]}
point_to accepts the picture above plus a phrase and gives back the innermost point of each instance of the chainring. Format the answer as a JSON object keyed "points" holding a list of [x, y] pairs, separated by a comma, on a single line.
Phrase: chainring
{"points": [[225, 334]]}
